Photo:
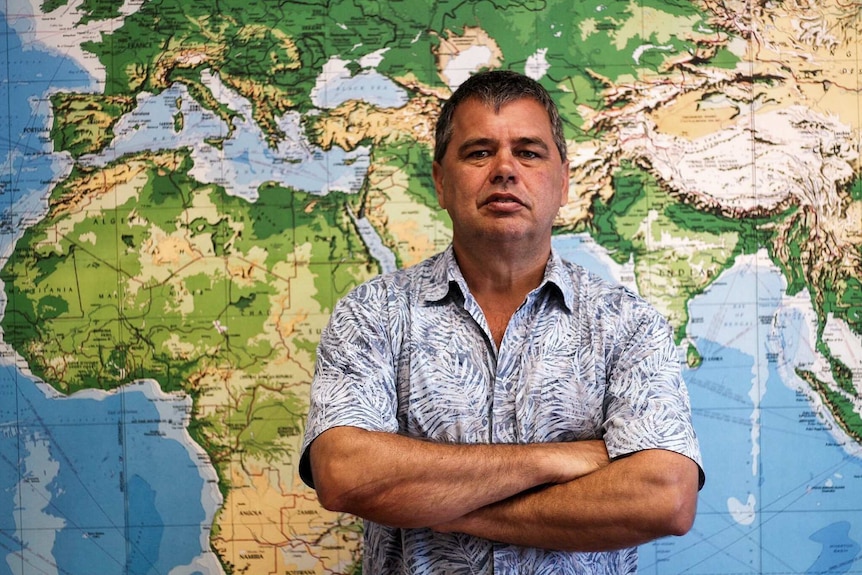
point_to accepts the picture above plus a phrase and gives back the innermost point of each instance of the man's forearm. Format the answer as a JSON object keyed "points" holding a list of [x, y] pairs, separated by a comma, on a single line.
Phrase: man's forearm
{"points": [[633, 500], [407, 482]]}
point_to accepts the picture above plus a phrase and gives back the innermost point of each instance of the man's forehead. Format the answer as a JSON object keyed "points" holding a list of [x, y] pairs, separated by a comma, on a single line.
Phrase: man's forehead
{"points": [[466, 111], [496, 104]]}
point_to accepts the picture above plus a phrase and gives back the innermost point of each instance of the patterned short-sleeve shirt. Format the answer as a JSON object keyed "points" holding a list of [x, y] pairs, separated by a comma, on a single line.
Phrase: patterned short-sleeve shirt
{"points": [[411, 353]]}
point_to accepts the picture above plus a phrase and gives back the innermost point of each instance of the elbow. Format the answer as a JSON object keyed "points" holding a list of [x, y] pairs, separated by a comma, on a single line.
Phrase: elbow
{"points": [[669, 515], [329, 498], [672, 505], [680, 518], [333, 492], [330, 485], [371, 501], [340, 498], [680, 509], [365, 501], [333, 470], [340, 491], [334, 503], [680, 499]]}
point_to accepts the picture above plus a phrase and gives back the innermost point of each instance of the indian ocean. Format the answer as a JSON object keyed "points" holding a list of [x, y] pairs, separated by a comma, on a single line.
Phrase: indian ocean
{"points": [[784, 485]]}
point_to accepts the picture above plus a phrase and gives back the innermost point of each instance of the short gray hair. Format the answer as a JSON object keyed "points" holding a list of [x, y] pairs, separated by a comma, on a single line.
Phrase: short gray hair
{"points": [[496, 88]]}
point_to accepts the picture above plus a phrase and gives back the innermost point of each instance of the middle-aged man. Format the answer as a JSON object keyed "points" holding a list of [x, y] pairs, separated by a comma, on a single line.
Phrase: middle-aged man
{"points": [[495, 409]]}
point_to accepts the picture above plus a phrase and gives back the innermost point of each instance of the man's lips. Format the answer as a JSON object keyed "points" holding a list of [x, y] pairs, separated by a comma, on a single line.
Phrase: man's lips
{"points": [[503, 200]]}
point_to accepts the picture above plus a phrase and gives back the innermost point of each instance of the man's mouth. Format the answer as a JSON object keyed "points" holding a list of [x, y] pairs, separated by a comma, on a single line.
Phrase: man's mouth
{"points": [[502, 199]]}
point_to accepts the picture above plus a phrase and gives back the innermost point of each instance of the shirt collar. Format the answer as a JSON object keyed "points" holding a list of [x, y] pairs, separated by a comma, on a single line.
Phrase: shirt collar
{"points": [[558, 275], [446, 276]]}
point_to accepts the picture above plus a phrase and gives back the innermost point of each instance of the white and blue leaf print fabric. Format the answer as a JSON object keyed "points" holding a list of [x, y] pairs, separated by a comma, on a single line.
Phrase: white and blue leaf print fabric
{"points": [[410, 352]]}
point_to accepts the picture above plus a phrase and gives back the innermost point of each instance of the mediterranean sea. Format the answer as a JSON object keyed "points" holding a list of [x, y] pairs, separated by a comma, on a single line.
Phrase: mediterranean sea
{"points": [[244, 160]]}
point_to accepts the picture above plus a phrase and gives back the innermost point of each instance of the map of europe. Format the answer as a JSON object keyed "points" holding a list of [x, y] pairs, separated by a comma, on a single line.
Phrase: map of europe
{"points": [[189, 186]]}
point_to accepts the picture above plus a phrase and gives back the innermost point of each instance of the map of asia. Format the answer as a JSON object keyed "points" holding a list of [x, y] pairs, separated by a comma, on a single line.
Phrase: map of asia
{"points": [[188, 186]]}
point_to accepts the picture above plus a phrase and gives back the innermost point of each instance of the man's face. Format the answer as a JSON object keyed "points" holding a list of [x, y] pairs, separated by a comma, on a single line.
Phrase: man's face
{"points": [[502, 177]]}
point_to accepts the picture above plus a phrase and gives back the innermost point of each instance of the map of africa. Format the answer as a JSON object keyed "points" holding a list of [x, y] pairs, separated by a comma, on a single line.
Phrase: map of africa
{"points": [[189, 186]]}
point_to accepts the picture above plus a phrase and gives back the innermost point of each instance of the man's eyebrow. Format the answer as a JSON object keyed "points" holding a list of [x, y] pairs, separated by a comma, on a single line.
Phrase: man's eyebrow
{"points": [[477, 142], [528, 141], [485, 142]]}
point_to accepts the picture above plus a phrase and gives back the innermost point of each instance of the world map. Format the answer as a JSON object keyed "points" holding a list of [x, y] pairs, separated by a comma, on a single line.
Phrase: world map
{"points": [[189, 186]]}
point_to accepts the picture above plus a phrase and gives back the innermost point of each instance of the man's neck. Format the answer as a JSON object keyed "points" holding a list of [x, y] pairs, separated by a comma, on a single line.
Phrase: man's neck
{"points": [[502, 275], [500, 282]]}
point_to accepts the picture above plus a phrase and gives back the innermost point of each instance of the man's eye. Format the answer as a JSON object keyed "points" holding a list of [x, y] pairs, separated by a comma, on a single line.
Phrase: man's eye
{"points": [[529, 154], [479, 154]]}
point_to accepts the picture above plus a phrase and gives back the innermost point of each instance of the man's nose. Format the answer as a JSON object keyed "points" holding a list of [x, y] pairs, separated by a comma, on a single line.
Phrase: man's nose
{"points": [[505, 168]]}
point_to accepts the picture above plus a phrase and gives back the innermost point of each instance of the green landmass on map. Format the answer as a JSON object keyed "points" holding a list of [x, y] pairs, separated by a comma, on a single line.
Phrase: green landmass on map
{"points": [[173, 281], [273, 54], [90, 10], [677, 251]]}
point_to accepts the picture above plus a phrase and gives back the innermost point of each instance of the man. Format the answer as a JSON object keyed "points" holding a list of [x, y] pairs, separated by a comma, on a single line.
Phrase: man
{"points": [[495, 409]]}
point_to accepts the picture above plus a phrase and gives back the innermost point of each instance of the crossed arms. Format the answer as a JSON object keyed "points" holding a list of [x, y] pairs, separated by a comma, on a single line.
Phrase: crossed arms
{"points": [[562, 496]]}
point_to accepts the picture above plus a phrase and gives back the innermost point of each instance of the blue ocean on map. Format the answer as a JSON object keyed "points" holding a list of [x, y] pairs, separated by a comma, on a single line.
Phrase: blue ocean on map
{"points": [[94, 483], [775, 499], [369, 85], [27, 159], [244, 160]]}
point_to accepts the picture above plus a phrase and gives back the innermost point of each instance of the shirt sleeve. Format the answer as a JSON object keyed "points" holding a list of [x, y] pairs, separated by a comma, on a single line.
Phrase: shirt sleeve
{"points": [[647, 403], [354, 375]]}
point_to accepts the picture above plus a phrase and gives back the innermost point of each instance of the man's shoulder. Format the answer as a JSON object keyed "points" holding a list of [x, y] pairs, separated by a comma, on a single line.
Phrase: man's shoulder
{"points": [[584, 282], [429, 270], [410, 282], [597, 292]]}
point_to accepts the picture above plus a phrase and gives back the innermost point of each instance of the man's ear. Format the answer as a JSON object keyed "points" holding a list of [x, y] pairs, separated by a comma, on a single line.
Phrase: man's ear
{"points": [[564, 192], [437, 174]]}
